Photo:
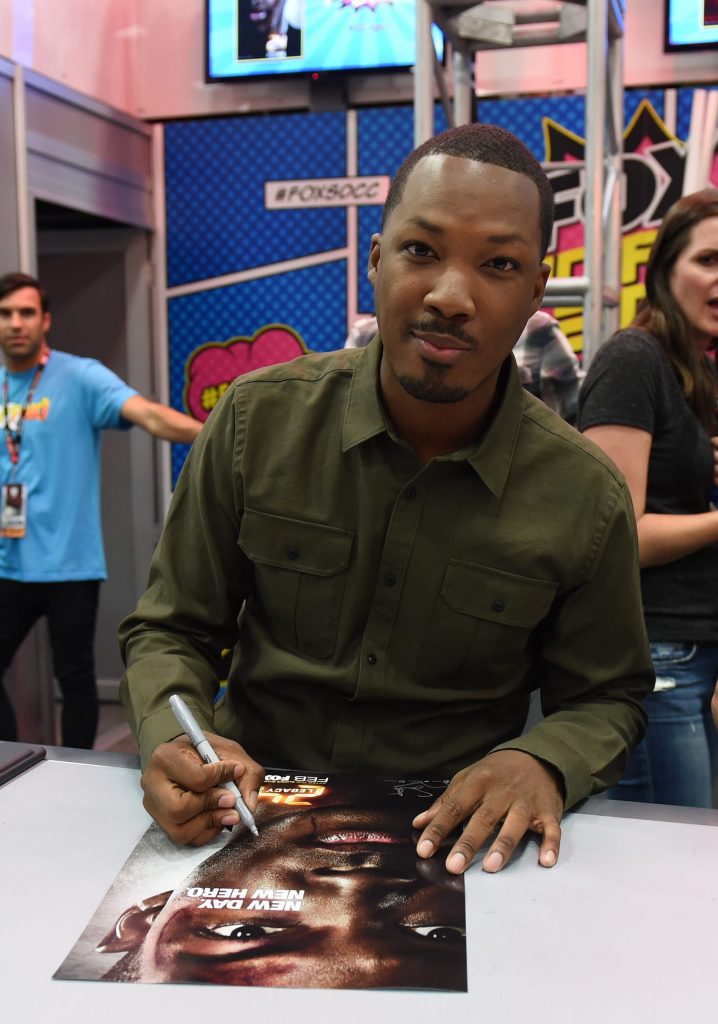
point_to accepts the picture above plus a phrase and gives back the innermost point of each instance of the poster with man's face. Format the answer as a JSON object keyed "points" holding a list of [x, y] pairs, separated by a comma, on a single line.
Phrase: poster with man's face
{"points": [[330, 895]]}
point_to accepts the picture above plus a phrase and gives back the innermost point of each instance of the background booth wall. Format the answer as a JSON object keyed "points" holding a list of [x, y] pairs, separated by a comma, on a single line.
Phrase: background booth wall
{"points": [[248, 285]]}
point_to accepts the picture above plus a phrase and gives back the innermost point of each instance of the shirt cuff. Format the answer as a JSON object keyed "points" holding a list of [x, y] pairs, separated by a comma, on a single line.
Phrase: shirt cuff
{"points": [[577, 782]]}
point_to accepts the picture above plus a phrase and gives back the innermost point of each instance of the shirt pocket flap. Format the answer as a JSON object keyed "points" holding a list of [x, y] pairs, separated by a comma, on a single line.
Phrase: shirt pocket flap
{"points": [[497, 596], [311, 548]]}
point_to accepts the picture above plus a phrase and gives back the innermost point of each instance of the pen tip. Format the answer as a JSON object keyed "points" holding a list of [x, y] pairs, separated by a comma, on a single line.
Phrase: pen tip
{"points": [[254, 831]]}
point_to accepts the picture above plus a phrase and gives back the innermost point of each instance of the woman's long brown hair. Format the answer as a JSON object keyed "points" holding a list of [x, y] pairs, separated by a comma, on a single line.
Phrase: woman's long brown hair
{"points": [[661, 315]]}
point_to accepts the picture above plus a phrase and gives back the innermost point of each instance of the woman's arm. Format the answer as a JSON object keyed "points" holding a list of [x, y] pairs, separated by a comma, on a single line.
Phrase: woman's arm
{"points": [[661, 538]]}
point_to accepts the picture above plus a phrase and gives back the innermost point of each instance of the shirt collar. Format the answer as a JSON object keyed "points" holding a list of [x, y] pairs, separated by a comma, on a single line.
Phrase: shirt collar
{"points": [[490, 456], [364, 414]]}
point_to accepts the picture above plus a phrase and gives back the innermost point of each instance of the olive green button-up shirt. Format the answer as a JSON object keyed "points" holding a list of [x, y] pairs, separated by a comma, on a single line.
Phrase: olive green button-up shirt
{"points": [[386, 615]]}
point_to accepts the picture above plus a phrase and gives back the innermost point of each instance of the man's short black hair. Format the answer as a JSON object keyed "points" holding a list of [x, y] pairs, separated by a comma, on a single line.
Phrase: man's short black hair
{"points": [[14, 281], [486, 144]]}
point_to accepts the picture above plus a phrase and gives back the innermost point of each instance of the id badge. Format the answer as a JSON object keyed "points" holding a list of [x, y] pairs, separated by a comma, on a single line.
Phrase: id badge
{"points": [[13, 508]]}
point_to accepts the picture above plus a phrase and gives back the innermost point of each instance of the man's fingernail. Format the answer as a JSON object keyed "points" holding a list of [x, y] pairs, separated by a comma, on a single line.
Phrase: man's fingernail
{"points": [[549, 859], [425, 848], [456, 863], [493, 862], [226, 801], [230, 819]]}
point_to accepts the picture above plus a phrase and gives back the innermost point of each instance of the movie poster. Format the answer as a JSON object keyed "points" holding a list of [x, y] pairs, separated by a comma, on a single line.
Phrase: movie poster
{"points": [[330, 895]]}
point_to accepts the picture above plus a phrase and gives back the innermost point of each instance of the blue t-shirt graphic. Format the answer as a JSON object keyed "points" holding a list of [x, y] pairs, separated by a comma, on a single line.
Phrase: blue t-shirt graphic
{"points": [[59, 463]]}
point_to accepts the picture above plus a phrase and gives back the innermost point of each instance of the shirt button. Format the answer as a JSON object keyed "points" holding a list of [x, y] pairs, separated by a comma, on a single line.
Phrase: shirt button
{"points": [[371, 658], [499, 606], [390, 579], [410, 492], [293, 553]]}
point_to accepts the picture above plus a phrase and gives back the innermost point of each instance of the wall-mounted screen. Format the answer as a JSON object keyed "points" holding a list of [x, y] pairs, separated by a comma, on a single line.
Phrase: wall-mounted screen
{"points": [[280, 37], [691, 24]]}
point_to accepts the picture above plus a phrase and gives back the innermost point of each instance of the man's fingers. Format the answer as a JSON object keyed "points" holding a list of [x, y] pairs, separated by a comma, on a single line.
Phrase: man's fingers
{"points": [[480, 826], [516, 825], [422, 819], [187, 798], [550, 844], [169, 802], [444, 817], [197, 830], [183, 766], [249, 777]]}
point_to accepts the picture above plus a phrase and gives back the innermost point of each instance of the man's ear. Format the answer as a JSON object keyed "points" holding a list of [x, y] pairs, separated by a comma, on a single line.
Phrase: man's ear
{"points": [[374, 254], [132, 926], [540, 286]]}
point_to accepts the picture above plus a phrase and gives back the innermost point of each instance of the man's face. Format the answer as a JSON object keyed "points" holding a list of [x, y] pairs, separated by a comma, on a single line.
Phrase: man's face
{"points": [[456, 273], [372, 915], [23, 327]]}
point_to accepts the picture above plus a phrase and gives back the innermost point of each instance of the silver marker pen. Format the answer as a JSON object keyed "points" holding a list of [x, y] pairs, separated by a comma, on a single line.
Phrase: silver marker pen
{"points": [[204, 748]]}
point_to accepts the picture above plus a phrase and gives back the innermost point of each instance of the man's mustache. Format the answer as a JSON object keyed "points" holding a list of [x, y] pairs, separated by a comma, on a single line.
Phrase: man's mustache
{"points": [[446, 327]]}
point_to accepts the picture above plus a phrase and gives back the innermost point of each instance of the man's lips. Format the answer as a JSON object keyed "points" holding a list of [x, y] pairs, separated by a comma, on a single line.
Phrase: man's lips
{"points": [[446, 342], [440, 348]]}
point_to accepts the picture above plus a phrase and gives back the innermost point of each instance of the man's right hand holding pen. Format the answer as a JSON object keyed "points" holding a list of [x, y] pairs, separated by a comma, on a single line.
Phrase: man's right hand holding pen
{"points": [[183, 794]]}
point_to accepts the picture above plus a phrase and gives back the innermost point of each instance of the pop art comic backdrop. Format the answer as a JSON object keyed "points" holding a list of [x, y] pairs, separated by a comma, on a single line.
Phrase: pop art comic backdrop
{"points": [[269, 219]]}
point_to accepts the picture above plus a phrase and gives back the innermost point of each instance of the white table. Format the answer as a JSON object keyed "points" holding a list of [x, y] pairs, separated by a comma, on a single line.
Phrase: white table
{"points": [[624, 929]]}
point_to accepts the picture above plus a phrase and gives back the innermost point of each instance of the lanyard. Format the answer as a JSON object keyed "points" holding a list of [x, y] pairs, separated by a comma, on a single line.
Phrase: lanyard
{"points": [[14, 437]]}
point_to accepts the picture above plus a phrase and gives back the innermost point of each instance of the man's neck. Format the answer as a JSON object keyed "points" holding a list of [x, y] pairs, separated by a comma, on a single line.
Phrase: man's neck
{"points": [[437, 428], [25, 363]]}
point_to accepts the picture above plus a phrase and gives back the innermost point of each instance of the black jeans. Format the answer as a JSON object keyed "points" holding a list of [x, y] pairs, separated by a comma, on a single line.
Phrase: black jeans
{"points": [[71, 611]]}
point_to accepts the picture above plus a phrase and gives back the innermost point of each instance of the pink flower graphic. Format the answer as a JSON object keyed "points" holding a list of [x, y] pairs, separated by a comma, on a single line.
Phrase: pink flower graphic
{"points": [[211, 368]]}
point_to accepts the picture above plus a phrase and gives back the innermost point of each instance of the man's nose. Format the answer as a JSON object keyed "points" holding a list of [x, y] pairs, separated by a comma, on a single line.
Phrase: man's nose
{"points": [[450, 293], [15, 320]]}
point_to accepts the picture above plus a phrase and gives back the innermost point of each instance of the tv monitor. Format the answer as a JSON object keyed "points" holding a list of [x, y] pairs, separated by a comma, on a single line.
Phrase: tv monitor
{"points": [[691, 25], [247, 38]]}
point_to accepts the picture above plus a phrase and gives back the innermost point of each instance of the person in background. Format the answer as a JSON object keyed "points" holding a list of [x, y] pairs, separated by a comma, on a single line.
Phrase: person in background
{"points": [[54, 406], [547, 364], [414, 542], [361, 331], [649, 401]]}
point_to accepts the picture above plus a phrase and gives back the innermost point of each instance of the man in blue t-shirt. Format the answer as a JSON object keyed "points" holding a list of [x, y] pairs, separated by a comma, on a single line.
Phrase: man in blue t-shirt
{"points": [[52, 408]]}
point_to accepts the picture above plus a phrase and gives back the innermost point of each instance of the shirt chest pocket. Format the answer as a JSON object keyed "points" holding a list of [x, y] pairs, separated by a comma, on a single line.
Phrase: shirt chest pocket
{"points": [[300, 572], [480, 628]]}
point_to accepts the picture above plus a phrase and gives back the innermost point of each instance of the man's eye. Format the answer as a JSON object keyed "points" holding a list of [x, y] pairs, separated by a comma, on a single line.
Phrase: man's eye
{"points": [[502, 263], [418, 249], [243, 932], [438, 933]]}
